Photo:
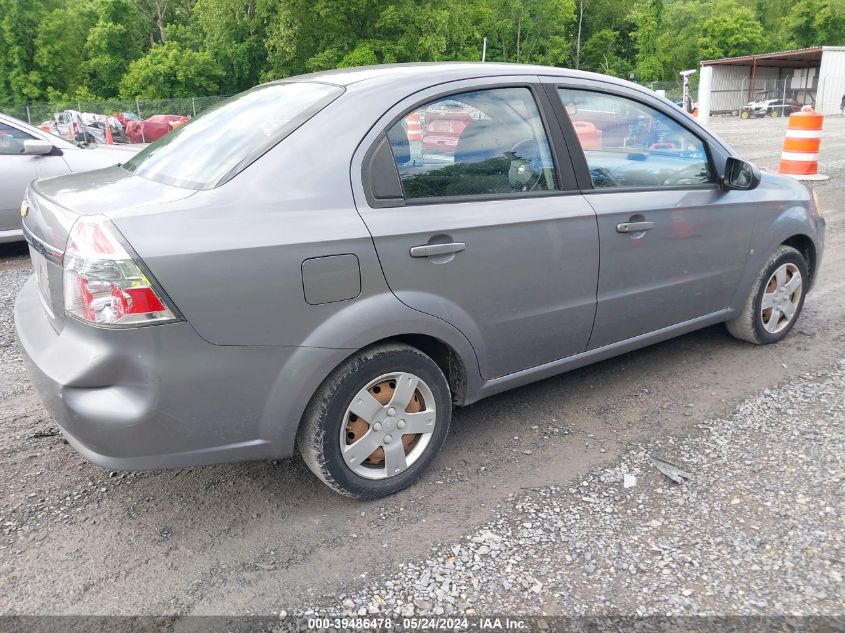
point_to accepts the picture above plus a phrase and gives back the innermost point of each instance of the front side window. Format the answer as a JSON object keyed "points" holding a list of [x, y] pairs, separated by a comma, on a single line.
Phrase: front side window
{"points": [[217, 145], [628, 144], [12, 139], [474, 144]]}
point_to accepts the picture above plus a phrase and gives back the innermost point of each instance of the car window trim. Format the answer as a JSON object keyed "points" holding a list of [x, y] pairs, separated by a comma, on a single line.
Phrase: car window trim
{"points": [[579, 159], [564, 173], [488, 197]]}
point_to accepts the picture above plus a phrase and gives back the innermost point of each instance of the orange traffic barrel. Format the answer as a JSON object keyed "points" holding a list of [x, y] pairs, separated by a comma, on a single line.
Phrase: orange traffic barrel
{"points": [[800, 156], [414, 129]]}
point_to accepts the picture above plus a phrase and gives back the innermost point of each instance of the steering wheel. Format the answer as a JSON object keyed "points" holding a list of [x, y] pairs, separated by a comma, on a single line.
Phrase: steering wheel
{"points": [[526, 170], [695, 174]]}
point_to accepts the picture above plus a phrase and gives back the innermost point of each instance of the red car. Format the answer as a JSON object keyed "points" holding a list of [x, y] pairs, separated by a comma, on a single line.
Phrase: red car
{"points": [[154, 128], [444, 125]]}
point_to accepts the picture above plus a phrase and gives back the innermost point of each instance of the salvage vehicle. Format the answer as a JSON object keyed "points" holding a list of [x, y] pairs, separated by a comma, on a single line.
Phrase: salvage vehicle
{"points": [[236, 291], [27, 153], [84, 127], [153, 128]]}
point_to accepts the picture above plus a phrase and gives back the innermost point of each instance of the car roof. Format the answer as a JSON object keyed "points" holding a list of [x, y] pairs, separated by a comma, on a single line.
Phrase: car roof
{"points": [[443, 71]]}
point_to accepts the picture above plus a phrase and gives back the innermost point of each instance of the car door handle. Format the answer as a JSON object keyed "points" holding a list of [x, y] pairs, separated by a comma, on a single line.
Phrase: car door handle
{"points": [[429, 250], [634, 227]]}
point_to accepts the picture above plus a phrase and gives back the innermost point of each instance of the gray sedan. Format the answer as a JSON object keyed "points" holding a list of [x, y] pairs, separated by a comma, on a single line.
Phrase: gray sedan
{"points": [[329, 263], [27, 153]]}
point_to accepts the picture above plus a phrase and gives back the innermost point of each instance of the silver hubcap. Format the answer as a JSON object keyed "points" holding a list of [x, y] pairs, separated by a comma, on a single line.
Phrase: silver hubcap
{"points": [[781, 298], [388, 425]]}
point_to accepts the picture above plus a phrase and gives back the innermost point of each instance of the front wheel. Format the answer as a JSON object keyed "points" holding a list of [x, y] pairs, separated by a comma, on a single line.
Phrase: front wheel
{"points": [[775, 301], [376, 422]]}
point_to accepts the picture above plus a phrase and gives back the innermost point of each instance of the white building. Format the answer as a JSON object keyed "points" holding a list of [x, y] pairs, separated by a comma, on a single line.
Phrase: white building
{"points": [[814, 76]]}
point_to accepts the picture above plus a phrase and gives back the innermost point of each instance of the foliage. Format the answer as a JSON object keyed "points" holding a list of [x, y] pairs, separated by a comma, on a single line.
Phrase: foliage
{"points": [[814, 23], [64, 49], [168, 70], [602, 52], [730, 31]]}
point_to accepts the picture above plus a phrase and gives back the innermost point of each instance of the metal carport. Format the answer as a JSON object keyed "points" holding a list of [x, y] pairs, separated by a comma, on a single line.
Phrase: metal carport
{"points": [[814, 76]]}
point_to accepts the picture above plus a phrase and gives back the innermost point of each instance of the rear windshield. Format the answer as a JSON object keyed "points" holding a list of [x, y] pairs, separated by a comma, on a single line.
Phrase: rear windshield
{"points": [[216, 146]]}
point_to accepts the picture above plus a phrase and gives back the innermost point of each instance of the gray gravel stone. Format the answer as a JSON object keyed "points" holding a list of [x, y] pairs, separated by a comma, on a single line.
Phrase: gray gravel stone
{"points": [[757, 530]]}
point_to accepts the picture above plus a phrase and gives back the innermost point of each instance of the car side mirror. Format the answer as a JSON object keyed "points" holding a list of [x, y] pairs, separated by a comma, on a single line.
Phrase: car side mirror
{"points": [[740, 175], [37, 147]]}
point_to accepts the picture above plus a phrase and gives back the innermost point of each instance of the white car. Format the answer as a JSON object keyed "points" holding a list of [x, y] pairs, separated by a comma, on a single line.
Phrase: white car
{"points": [[27, 153]]}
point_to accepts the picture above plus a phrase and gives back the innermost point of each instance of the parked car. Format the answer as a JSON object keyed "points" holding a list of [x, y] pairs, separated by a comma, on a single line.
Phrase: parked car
{"points": [[237, 291], [27, 153], [443, 125], [769, 107], [154, 128]]}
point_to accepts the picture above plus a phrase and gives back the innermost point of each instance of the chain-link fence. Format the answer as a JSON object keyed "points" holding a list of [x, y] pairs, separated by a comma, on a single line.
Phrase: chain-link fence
{"points": [[671, 89], [36, 113]]}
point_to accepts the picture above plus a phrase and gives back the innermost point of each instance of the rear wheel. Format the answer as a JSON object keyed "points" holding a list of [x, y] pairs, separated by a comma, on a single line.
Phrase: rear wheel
{"points": [[376, 422], [775, 301]]}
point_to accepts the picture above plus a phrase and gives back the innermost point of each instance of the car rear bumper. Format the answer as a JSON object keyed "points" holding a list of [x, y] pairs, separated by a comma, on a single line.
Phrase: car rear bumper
{"points": [[161, 396]]}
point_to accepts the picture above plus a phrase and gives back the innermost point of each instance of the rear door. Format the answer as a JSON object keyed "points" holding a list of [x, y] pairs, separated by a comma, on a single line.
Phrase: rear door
{"points": [[673, 244], [475, 222]]}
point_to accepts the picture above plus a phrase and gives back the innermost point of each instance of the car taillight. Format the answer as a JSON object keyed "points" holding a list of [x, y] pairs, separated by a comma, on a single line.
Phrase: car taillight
{"points": [[103, 284]]}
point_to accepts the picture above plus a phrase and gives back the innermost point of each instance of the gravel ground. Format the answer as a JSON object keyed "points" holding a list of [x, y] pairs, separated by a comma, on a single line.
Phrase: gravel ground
{"points": [[10, 358], [756, 530]]}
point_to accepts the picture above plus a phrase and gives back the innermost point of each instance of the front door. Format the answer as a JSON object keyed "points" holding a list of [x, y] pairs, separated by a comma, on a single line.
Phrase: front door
{"points": [[673, 244], [18, 171], [485, 238]]}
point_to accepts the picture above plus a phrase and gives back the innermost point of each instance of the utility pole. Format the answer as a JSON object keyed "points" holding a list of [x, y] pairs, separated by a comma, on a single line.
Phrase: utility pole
{"points": [[578, 40], [484, 50]]}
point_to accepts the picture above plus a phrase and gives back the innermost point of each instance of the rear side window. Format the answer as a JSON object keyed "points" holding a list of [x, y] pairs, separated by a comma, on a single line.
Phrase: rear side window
{"points": [[473, 144], [219, 144], [11, 139], [628, 144]]}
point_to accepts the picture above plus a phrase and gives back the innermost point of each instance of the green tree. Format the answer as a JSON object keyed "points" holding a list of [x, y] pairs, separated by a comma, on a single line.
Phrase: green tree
{"points": [[19, 20], [647, 16], [117, 39], [814, 23], [730, 31], [602, 54], [59, 47], [168, 70], [233, 32], [678, 42]]}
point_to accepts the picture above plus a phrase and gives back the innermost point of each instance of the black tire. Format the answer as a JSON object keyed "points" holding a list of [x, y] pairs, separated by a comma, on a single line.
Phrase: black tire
{"points": [[748, 324], [318, 440]]}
